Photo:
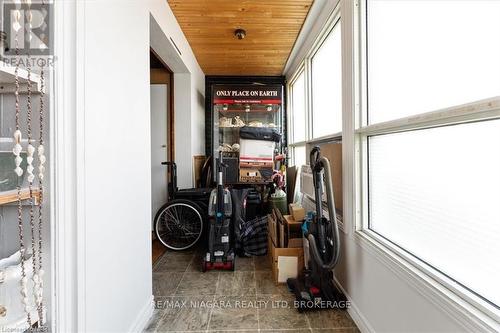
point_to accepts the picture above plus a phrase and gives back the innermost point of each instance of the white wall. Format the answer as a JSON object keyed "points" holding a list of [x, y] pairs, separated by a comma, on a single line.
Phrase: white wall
{"points": [[383, 299], [112, 140], [189, 89]]}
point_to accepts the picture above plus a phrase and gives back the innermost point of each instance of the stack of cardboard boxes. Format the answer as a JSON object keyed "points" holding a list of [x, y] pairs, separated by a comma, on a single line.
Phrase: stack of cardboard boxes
{"points": [[256, 160], [286, 243]]}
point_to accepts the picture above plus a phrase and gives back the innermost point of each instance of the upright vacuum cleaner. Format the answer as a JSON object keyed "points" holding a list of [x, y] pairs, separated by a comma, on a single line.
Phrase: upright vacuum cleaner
{"points": [[220, 253], [315, 289]]}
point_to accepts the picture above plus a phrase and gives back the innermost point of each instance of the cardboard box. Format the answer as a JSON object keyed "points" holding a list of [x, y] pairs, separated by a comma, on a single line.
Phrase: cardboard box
{"points": [[333, 151], [256, 150], [298, 213], [273, 229], [257, 165], [249, 175], [287, 261], [295, 242], [293, 228]]}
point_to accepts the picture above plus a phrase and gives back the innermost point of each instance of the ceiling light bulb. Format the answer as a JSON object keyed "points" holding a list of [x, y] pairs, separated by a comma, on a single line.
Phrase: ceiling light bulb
{"points": [[240, 33]]}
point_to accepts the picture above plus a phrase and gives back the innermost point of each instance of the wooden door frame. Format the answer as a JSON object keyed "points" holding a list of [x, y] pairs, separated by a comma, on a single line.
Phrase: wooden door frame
{"points": [[166, 76]]}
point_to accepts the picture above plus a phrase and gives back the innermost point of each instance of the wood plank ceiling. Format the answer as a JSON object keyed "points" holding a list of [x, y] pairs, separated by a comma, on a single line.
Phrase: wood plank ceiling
{"points": [[272, 27]]}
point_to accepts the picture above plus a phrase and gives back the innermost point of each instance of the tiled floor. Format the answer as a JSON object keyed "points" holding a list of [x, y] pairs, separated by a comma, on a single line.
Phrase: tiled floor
{"points": [[246, 300]]}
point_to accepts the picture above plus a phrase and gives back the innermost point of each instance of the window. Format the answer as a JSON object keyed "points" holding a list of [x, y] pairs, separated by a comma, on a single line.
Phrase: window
{"points": [[430, 55], [431, 183], [298, 104], [326, 78], [315, 92], [299, 156], [436, 193]]}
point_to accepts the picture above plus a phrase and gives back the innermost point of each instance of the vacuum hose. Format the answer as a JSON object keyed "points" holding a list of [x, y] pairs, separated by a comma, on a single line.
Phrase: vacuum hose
{"points": [[320, 165]]}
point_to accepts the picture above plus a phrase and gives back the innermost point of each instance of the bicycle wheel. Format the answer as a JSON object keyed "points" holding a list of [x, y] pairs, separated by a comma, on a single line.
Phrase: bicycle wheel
{"points": [[179, 224]]}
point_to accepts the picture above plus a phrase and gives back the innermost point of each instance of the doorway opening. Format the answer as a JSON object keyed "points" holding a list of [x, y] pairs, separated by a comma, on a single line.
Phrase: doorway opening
{"points": [[162, 138]]}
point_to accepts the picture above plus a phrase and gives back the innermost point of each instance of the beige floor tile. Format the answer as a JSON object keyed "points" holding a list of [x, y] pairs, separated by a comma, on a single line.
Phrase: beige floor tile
{"points": [[265, 284], [233, 313], [279, 313], [165, 284], [331, 318], [244, 264], [173, 263], [195, 284], [181, 315], [236, 284]]}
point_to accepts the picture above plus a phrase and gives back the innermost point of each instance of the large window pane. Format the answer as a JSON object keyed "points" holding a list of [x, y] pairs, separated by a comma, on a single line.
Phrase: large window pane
{"points": [[299, 156], [327, 86], [429, 55], [298, 97], [436, 193]]}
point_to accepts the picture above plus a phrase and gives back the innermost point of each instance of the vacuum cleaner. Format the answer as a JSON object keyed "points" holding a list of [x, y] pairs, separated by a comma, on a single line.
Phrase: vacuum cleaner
{"points": [[315, 290], [220, 253]]}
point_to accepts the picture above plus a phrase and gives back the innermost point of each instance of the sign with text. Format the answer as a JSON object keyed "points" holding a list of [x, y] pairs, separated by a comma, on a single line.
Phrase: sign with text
{"points": [[250, 94]]}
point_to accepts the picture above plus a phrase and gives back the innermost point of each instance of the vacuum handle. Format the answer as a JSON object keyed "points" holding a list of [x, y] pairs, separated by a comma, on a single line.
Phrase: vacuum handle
{"points": [[323, 163], [314, 157]]}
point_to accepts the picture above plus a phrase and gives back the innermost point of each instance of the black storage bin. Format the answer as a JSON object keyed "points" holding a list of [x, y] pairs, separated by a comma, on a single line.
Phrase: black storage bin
{"points": [[253, 205], [260, 133], [232, 172]]}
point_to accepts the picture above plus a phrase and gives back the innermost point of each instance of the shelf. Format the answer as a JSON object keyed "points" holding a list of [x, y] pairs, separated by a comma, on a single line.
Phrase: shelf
{"points": [[249, 112], [8, 80], [235, 128], [9, 197], [249, 183]]}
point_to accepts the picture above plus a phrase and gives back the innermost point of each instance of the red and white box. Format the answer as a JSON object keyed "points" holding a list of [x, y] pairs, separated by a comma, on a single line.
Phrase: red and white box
{"points": [[258, 152]]}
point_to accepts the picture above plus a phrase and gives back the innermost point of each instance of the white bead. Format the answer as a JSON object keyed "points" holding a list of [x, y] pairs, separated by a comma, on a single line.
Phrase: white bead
{"points": [[40, 176], [18, 171], [41, 150], [30, 169], [41, 272], [18, 160], [42, 159], [31, 149], [41, 168], [17, 149], [17, 136], [31, 178], [29, 159], [25, 300], [24, 292], [35, 278]]}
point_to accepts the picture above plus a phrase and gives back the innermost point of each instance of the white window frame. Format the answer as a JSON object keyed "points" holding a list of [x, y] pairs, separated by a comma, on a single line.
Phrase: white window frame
{"points": [[305, 66], [469, 309], [334, 19]]}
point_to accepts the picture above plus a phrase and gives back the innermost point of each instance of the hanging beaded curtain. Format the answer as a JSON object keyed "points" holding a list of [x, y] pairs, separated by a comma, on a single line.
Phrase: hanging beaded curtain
{"points": [[36, 244]]}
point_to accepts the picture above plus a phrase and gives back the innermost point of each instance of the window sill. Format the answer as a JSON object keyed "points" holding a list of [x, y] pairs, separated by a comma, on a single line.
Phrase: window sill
{"points": [[326, 138], [473, 313]]}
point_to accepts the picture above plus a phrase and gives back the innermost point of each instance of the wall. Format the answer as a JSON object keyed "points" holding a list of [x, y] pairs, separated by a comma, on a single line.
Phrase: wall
{"points": [[113, 268], [383, 300], [189, 87]]}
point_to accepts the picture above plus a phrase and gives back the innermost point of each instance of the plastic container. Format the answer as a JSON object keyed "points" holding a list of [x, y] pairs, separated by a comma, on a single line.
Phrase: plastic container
{"points": [[279, 203]]}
